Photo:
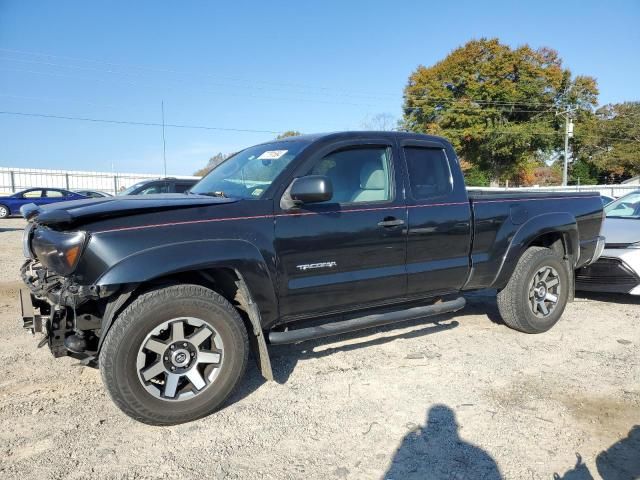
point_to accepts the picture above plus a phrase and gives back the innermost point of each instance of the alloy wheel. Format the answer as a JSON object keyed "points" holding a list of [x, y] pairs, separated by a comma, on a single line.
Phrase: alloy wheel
{"points": [[544, 291], [180, 359]]}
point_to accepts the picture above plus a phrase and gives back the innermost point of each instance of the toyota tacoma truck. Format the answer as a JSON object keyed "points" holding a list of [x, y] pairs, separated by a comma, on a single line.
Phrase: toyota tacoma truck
{"points": [[287, 241]]}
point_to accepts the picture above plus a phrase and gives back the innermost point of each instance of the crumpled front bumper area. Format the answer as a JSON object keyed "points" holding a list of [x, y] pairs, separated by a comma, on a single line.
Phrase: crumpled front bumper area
{"points": [[40, 317], [50, 304], [30, 320]]}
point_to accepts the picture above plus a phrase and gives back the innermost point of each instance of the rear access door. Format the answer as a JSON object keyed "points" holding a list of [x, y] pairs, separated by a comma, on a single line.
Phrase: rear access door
{"points": [[439, 219]]}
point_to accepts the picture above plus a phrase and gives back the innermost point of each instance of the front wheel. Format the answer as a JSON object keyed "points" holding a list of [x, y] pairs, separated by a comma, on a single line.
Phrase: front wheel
{"points": [[4, 211], [537, 292], [174, 355]]}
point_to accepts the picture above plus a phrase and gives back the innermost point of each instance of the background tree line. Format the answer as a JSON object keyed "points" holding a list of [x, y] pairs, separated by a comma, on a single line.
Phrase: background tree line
{"points": [[500, 108], [504, 111]]}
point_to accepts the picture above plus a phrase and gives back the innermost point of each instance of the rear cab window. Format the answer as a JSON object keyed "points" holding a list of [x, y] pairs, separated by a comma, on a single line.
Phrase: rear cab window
{"points": [[429, 172]]}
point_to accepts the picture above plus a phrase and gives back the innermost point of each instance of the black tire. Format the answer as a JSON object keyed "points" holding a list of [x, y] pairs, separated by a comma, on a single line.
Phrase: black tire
{"points": [[514, 302], [121, 347], [4, 211]]}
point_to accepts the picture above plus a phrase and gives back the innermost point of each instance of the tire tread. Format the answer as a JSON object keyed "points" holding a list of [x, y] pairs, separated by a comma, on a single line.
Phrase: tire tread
{"points": [[509, 299], [125, 399]]}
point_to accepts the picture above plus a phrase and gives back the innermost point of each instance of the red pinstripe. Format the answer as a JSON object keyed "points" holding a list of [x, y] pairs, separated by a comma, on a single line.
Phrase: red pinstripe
{"points": [[301, 214]]}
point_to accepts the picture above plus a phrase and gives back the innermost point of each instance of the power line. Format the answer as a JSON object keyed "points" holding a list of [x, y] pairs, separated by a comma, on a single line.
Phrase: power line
{"points": [[131, 122], [54, 100], [511, 132], [204, 127], [250, 83], [478, 109], [426, 98], [242, 95], [178, 72]]}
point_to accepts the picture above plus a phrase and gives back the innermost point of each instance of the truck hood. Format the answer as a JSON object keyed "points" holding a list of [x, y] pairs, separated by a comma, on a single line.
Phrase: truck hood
{"points": [[621, 231], [81, 211]]}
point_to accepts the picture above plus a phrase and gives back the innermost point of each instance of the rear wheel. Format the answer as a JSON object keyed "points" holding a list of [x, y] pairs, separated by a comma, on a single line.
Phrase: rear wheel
{"points": [[537, 292], [174, 355], [4, 211]]}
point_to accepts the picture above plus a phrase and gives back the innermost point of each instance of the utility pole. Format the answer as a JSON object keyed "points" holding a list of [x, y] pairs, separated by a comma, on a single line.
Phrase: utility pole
{"points": [[568, 133], [164, 144]]}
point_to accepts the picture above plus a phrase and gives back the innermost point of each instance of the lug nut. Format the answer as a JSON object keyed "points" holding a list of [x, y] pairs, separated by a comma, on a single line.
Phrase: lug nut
{"points": [[173, 347], [184, 344], [166, 358], [193, 354], [173, 368]]}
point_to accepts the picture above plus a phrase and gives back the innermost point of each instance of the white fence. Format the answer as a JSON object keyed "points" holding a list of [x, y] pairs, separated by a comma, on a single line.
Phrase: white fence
{"points": [[608, 190], [16, 179]]}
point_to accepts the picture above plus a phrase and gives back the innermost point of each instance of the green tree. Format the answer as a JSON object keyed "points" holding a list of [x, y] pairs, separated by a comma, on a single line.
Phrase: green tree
{"points": [[213, 162], [288, 133], [608, 142], [497, 104], [583, 173]]}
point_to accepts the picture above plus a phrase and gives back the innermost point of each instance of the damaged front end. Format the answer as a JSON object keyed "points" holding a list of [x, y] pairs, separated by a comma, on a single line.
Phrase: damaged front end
{"points": [[61, 309], [54, 303]]}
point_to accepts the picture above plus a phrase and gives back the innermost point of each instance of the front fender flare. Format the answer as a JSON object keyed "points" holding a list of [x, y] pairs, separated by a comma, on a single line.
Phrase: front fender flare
{"points": [[194, 255], [554, 222]]}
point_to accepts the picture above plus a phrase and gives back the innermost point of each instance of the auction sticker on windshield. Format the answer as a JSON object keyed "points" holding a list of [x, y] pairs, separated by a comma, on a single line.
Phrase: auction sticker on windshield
{"points": [[272, 154]]}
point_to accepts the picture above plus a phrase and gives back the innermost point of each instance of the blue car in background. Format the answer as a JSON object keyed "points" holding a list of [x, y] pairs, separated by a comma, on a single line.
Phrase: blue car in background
{"points": [[10, 205]]}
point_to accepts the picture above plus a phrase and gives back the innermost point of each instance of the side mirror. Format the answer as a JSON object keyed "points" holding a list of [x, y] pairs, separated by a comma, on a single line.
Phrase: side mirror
{"points": [[309, 189]]}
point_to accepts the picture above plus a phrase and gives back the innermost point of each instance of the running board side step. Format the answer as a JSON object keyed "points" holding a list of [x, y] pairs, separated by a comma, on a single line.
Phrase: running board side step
{"points": [[368, 321]]}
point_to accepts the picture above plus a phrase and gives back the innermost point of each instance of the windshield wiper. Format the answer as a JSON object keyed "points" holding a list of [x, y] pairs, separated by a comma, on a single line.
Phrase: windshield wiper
{"points": [[215, 194]]}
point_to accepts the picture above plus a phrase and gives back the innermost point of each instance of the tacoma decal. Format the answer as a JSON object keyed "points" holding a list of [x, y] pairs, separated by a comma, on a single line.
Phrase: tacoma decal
{"points": [[311, 266]]}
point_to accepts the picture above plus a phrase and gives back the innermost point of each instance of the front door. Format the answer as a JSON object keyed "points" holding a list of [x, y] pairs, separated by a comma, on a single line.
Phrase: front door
{"points": [[349, 251]]}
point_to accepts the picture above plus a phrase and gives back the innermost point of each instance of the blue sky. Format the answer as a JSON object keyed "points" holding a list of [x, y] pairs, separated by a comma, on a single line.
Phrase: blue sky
{"points": [[311, 66]]}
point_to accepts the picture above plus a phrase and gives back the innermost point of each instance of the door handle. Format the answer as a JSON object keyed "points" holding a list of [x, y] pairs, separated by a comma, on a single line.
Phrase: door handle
{"points": [[391, 222]]}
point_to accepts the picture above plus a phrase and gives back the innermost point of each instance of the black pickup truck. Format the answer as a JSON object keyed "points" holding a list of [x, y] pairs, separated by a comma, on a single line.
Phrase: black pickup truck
{"points": [[287, 241]]}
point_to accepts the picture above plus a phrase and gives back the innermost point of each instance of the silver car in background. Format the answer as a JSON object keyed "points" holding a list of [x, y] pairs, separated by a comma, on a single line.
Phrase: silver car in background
{"points": [[618, 269]]}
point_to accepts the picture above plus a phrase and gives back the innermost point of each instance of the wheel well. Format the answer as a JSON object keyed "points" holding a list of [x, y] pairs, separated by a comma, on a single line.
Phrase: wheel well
{"points": [[224, 281], [230, 284], [553, 240]]}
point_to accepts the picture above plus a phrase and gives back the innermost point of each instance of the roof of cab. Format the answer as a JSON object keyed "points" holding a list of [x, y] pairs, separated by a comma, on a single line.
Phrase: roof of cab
{"points": [[314, 137]]}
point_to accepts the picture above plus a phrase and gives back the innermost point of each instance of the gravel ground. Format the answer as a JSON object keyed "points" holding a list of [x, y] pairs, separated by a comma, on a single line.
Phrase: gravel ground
{"points": [[455, 397]]}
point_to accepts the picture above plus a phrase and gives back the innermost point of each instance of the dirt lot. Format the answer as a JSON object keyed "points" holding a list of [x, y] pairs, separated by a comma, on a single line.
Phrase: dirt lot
{"points": [[458, 397]]}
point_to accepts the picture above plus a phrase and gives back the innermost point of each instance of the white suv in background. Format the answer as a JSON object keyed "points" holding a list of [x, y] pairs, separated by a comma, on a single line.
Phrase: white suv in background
{"points": [[618, 269]]}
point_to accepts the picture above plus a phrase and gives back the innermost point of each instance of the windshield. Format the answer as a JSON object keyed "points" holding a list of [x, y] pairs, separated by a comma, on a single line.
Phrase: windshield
{"points": [[127, 191], [625, 207], [249, 173]]}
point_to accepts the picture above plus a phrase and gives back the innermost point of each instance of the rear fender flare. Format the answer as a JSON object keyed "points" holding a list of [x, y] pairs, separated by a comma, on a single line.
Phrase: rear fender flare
{"points": [[556, 222]]}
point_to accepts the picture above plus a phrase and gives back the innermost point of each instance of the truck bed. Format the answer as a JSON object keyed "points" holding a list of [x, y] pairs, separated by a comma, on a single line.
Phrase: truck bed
{"points": [[500, 215]]}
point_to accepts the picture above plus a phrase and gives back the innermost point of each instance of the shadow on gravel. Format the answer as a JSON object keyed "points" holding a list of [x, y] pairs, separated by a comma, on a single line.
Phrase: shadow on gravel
{"points": [[10, 229], [621, 461], [436, 451], [579, 472], [284, 358]]}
